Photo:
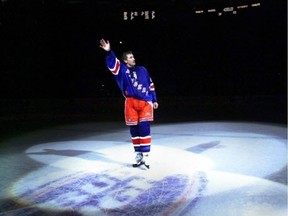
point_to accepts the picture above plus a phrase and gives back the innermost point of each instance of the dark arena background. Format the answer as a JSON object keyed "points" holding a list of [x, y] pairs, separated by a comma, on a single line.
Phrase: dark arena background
{"points": [[219, 139]]}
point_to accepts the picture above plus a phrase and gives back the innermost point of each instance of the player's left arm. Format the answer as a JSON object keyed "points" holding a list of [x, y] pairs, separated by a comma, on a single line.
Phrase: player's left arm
{"points": [[152, 92]]}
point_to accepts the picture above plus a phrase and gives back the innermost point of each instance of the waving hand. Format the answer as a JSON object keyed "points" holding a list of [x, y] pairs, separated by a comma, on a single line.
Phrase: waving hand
{"points": [[105, 45]]}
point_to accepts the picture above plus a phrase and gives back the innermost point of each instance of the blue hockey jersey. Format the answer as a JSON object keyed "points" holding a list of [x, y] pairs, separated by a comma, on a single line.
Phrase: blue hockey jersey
{"points": [[134, 82]]}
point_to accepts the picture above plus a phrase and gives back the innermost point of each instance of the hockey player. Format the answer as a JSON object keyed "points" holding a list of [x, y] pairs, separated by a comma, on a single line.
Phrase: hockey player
{"points": [[140, 99]]}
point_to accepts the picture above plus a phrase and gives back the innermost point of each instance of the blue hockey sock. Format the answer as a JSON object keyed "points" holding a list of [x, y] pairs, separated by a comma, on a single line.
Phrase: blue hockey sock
{"points": [[145, 138]]}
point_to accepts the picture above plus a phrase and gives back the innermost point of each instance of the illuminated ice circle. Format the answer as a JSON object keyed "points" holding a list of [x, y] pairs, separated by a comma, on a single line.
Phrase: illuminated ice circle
{"points": [[197, 169]]}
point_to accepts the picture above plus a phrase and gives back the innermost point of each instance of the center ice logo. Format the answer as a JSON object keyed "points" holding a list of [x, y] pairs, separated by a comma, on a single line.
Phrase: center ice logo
{"points": [[104, 183], [110, 193]]}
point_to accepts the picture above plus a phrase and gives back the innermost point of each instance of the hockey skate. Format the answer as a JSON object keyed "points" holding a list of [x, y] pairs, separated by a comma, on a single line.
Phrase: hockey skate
{"points": [[142, 160], [138, 159], [146, 161]]}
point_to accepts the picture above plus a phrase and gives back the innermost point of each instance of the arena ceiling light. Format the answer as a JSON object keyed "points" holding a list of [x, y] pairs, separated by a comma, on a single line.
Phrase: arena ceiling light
{"points": [[224, 7], [255, 4]]}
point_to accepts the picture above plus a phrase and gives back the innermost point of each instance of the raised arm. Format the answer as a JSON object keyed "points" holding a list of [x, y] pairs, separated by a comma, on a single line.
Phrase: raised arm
{"points": [[105, 45], [112, 62]]}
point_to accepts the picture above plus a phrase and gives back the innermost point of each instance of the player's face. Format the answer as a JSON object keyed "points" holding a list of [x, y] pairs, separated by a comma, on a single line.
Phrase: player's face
{"points": [[130, 60]]}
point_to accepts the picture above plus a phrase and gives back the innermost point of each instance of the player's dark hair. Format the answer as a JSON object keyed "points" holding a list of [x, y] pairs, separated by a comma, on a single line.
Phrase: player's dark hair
{"points": [[124, 55]]}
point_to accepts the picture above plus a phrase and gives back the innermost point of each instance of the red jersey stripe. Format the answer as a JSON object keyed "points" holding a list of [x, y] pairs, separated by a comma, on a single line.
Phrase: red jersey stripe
{"points": [[116, 68]]}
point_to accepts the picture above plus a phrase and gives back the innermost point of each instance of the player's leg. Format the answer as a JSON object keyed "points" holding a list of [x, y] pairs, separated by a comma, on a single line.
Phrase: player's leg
{"points": [[145, 116], [131, 118], [135, 137], [145, 141]]}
